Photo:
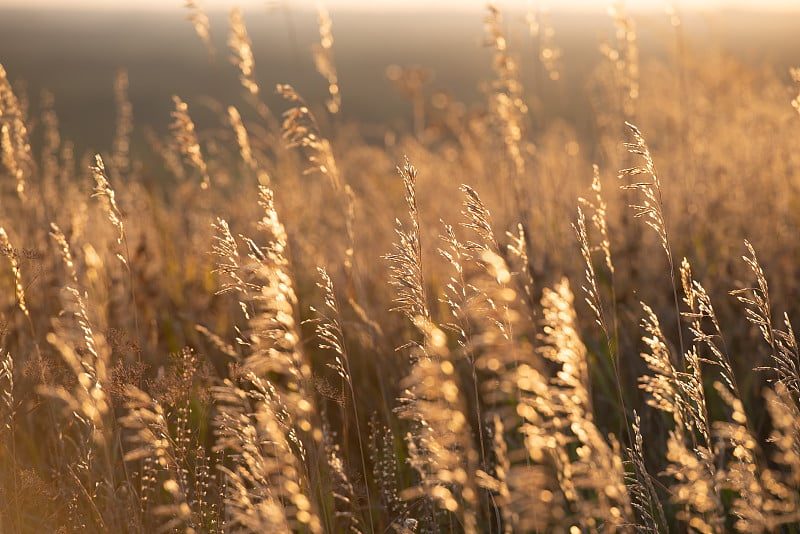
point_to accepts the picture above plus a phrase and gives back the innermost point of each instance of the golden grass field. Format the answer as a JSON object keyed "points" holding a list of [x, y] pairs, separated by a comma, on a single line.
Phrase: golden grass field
{"points": [[487, 321]]}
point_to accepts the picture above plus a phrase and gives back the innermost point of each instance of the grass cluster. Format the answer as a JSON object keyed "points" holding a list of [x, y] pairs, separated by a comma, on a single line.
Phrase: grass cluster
{"points": [[486, 324]]}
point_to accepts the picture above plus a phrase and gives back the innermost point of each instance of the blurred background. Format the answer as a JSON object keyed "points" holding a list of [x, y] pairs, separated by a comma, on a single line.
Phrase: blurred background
{"points": [[74, 52]]}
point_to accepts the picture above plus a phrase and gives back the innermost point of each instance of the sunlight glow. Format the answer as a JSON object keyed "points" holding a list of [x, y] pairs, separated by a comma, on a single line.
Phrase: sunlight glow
{"points": [[406, 5]]}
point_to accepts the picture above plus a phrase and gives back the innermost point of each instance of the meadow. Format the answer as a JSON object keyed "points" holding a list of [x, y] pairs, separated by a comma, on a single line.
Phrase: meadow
{"points": [[488, 319]]}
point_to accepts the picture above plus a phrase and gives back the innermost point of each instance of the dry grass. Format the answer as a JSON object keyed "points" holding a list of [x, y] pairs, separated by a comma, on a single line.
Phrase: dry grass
{"points": [[272, 331]]}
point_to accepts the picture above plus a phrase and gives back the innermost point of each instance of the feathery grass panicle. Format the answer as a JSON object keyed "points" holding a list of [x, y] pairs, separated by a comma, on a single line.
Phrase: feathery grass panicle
{"points": [[344, 493], [245, 148], [328, 328], [229, 262], [183, 130], [254, 483], [700, 308], [458, 292], [785, 435], [492, 305], [16, 156], [562, 345], [323, 59], [13, 257], [691, 383], [89, 470], [691, 464], [266, 486], [459, 295], [202, 27], [479, 220], [7, 390], [785, 356], [663, 387], [150, 437], [276, 251], [300, 129], [592, 298], [276, 411], [788, 363], [509, 111], [406, 262], [590, 289], [242, 138], [763, 502], [599, 209], [349, 262], [440, 447], [695, 394], [597, 466], [495, 320], [542, 31], [498, 341], [694, 486], [8, 157], [518, 259], [759, 311], [507, 102], [85, 351], [624, 58], [241, 49], [273, 337], [329, 331], [740, 471], [644, 498], [108, 196], [652, 208], [242, 52]]}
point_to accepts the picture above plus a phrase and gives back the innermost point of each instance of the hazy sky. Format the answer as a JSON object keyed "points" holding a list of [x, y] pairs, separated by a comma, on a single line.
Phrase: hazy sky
{"points": [[403, 4]]}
